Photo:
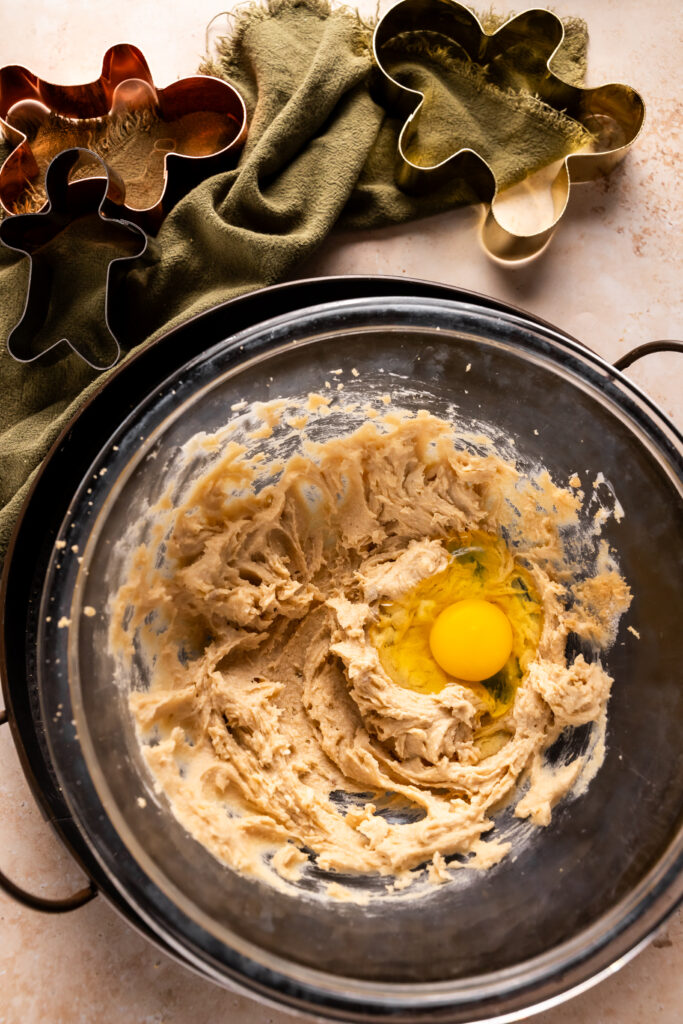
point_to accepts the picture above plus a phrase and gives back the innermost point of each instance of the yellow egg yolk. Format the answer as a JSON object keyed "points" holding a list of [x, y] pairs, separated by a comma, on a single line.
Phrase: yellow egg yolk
{"points": [[483, 570], [471, 639]]}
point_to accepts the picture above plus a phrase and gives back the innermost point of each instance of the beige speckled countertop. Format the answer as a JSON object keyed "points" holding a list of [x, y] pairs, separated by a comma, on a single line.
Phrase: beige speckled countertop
{"points": [[612, 277]]}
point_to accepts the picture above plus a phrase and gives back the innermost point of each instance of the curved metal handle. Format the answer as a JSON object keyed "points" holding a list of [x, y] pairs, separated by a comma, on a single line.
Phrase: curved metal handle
{"points": [[72, 902], [647, 350]]}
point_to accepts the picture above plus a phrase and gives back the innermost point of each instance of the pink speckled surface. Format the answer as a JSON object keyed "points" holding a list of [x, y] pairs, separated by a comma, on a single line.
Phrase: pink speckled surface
{"points": [[612, 277]]}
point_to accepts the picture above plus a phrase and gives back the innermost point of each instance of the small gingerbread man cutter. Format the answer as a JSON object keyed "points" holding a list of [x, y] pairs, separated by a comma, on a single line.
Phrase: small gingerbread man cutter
{"points": [[71, 229]]}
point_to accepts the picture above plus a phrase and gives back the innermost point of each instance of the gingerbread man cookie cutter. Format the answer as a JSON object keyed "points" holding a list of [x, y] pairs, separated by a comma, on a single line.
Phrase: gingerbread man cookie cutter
{"points": [[203, 123], [104, 242], [613, 115]]}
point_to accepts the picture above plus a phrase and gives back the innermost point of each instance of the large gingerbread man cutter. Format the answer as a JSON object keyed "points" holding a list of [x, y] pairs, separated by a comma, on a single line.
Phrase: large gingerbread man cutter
{"points": [[518, 56]]}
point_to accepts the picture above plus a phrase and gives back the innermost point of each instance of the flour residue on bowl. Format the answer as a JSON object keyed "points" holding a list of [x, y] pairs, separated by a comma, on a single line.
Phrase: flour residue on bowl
{"points": [[272, 724]]}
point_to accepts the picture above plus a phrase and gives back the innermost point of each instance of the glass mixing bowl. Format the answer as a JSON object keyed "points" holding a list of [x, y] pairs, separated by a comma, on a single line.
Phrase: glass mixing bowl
{"points": [[581, 894]]}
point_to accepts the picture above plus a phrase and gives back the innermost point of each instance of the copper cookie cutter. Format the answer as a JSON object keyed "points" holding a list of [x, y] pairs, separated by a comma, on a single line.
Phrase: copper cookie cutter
{"points": [[189, 150], [613, 114], [51, 277]]}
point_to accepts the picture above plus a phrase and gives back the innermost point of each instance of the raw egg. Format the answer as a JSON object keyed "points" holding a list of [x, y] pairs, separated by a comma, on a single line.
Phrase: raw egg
{"points": [[478, 622], [471, 639]]}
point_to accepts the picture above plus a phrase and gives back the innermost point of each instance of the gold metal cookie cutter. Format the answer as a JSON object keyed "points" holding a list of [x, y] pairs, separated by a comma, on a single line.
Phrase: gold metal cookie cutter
{"points": [[613, 114], [202, 121]]}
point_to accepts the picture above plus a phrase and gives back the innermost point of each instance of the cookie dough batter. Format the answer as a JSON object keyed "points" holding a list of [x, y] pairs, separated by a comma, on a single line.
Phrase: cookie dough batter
{"points": [[272, 724]]}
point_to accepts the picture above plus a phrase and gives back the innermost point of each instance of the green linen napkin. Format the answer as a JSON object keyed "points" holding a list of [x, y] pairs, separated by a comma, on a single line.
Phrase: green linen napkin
{"points": [[320, 152]]}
